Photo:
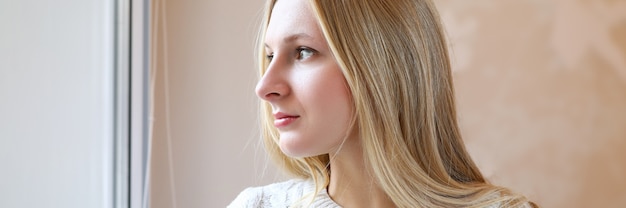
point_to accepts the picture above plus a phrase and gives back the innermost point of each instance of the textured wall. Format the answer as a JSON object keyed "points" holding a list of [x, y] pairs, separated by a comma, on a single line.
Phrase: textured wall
{"points": [[541, 89]]}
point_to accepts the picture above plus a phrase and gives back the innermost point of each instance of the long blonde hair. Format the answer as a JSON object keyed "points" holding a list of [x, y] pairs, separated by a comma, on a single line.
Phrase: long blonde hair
{"points": [[394, 58]]}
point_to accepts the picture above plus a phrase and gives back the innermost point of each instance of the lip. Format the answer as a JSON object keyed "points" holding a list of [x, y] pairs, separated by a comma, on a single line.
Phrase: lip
{"points": [[282, 120]]}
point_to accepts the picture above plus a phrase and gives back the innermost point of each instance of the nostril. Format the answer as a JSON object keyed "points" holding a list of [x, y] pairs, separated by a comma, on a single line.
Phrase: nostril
{"points": [[272, 94]]}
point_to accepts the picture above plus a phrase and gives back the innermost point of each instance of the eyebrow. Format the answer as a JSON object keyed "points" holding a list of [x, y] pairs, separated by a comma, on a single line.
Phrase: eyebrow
{"points": [[294, 37]]}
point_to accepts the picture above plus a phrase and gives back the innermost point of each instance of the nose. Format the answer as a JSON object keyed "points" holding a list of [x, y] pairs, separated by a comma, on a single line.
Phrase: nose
{"points": [[273, 84]]}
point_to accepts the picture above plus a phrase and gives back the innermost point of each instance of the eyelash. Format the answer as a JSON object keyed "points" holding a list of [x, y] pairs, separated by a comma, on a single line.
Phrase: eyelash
{"points": [[299, 51], [269, 57]]}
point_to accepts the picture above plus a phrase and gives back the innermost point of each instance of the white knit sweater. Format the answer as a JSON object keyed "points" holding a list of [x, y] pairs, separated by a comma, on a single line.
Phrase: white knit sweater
{"points": [[283, 194]]}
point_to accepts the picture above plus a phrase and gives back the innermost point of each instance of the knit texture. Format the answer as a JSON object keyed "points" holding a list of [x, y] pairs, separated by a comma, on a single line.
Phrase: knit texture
{"points": [[288, 193], [283, 194]]}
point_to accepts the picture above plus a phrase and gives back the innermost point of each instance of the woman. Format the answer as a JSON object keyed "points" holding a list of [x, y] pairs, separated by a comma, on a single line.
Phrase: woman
{"points": [[358, 104]]}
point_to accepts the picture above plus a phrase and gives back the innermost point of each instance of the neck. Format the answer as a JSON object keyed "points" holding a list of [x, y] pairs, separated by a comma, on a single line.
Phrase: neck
{"points": [[351, 183]]}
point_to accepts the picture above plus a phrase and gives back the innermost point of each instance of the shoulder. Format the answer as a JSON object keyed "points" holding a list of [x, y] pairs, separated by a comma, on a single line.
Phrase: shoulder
{"points": [[274, 195]]}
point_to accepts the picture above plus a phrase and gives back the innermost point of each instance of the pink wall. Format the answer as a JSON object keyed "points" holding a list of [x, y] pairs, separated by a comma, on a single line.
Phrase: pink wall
{"points": [[541, 89]]}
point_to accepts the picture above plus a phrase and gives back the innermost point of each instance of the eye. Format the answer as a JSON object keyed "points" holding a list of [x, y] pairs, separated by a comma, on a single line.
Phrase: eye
{"points": [[269, 57], [304, 53]]}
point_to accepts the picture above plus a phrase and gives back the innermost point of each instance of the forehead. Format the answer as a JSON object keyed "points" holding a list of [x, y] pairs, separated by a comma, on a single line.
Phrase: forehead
{"points": [[292, 19]]}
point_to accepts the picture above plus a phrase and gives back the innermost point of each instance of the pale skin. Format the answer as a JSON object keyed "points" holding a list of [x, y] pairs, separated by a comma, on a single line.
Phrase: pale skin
{"points": [[312, 104]]}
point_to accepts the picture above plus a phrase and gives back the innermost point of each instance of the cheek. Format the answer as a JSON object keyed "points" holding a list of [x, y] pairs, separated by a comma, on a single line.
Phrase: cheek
{"points": [[331, 100], [325, 101]]}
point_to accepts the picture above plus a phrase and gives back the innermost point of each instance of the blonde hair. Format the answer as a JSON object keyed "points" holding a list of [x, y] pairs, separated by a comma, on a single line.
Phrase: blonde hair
{"points": [[394, 58]]}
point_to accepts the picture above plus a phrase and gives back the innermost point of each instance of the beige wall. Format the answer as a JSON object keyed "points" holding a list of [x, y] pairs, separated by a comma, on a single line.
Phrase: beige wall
{"points": [[211, 101], [541, 89]]}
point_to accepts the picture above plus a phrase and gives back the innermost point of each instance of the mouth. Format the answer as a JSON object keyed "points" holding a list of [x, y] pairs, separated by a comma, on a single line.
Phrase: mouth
{"points": [[282, 120]]}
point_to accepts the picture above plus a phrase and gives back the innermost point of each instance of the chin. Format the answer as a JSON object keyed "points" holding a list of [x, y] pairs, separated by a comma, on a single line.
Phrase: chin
{"points": [[292, 152], [295, 148]]}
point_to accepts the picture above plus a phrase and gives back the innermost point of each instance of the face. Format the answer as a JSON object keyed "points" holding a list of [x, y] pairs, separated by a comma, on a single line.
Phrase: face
{"points": [[303, 83]]}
